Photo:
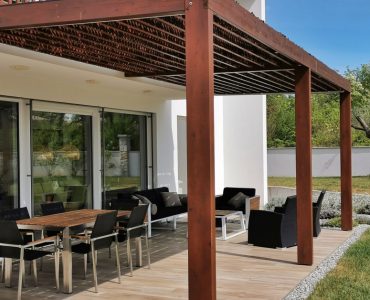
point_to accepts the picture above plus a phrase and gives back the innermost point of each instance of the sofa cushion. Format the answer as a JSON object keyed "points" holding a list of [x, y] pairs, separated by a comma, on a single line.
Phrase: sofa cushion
{"points": [[145, 200], [229, 192], [154, 195], [171, 199], [238, 201]]}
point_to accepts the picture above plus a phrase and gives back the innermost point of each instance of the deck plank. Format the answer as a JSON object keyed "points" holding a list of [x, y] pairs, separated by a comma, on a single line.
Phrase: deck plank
{"points": [[243, 271]]}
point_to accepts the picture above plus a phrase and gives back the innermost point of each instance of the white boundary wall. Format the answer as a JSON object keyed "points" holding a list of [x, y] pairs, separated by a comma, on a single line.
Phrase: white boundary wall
{"points": [[325, 162]]}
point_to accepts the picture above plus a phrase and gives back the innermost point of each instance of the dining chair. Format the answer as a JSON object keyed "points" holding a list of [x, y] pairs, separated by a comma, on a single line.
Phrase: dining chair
{"points": [[28, 235], [13, 245], [52, 208], [135, 228], [101, 237]]}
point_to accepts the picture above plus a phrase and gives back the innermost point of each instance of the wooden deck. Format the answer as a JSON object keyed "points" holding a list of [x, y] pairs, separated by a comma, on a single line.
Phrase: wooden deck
{"points": [[243, 271]]}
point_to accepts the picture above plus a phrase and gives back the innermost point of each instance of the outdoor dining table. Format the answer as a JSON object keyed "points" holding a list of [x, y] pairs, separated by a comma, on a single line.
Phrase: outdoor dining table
{"points": [[65, 221]]}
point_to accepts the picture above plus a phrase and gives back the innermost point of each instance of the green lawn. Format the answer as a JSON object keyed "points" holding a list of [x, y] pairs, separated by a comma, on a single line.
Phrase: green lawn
{"points": [[351, 277], [360, 185]]}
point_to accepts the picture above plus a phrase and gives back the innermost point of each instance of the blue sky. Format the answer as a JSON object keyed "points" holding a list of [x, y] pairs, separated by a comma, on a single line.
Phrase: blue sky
{"points": [[335, 31]]}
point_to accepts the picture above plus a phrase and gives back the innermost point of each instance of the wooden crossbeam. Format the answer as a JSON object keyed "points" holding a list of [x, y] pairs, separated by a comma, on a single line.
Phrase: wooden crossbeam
{"points": [[61, 12], [231, 71]]}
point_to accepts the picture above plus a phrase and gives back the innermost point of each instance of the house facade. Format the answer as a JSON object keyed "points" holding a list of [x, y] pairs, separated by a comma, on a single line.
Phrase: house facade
{"points": [[70, 131]]}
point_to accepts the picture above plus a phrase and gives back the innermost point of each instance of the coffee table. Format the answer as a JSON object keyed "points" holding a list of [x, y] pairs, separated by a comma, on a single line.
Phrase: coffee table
{"points": [[224, 215]]}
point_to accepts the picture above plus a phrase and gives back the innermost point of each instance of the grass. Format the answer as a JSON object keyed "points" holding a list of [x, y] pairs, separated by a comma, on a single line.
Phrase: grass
{"points": [[360, 184], [350, 279]]}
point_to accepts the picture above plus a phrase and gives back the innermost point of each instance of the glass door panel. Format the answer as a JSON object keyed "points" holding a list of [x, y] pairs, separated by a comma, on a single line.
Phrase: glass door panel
{"points": [[9, 161], [62, 159], [125, 152]]}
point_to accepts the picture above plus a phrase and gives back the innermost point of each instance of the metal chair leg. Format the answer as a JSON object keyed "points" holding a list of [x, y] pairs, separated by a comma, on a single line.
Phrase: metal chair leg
{"points": [[20, 280], [2, 270], [24, 273], [93, 255], [147, 246], [129, 255], [117, 260], [110, 252], [85, 265], [34, 264], [56, 261]]}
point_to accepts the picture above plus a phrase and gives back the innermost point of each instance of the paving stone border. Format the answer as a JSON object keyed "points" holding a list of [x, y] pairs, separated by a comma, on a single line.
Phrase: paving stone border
{"points": [[307, 285]]}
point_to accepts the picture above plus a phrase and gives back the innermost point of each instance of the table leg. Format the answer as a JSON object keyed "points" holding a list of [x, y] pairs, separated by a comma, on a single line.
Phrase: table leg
{"points": [[67, 262], [139, 253], [223, 222], [8, 272]]}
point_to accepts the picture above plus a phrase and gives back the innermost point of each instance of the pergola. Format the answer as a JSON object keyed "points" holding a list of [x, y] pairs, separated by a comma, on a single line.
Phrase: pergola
{"points": [[211, 47]]}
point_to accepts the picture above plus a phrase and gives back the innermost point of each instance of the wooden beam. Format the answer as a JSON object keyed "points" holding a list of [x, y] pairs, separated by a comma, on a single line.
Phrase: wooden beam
{"points": [[61, 12], [231, 71], [346, 160], [236, 15], [200, 145], [304, 165]]}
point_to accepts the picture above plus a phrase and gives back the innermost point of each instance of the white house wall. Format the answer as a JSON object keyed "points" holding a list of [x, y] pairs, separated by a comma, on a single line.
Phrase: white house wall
{"points": [[325, 162], [48, 79], [244, 133]]}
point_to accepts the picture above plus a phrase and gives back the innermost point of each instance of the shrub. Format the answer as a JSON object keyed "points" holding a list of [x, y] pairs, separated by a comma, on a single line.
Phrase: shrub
{"points": [[336, 222]]}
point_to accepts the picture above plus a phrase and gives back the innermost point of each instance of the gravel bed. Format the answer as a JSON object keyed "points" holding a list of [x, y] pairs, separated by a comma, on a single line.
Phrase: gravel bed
{"points": [[307, 285]]}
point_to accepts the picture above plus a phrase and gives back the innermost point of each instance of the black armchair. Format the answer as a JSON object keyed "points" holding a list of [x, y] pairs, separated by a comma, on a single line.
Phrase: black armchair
{"points": [[316, 206], [273, 229], [316, 209], [12, 245]]}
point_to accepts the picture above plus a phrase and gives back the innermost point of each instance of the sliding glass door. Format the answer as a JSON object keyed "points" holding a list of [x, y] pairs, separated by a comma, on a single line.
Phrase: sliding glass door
{"points": [[62, 159], [9, 162], [124, 151]]}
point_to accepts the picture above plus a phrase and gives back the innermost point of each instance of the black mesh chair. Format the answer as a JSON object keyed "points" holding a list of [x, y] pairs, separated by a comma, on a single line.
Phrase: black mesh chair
{"points": [[101, 237], [12, 245], [52, 208], [135, 228], [273, 229], [14, 215], [316, 206]]}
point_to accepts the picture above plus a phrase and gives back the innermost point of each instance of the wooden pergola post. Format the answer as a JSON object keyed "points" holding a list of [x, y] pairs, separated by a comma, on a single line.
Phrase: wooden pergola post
{"points": [[346, 160], [304, 165], [200, 149]]}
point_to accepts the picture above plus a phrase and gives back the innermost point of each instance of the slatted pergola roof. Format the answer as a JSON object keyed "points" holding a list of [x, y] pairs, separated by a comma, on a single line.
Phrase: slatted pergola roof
{"points": [[155, 47], [212, 47]]}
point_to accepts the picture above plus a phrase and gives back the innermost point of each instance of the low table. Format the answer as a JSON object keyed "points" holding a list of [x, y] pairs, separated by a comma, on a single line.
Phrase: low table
{"points": [[224, 215]]}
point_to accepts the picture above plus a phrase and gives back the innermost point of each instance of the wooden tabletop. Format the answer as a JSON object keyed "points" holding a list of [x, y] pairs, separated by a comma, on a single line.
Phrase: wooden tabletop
{"points": [[68, 219]]}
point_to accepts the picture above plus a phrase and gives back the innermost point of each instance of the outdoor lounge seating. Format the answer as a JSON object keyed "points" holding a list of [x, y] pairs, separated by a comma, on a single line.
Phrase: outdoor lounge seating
{"points": [[316, 209], [316, 214], [12, 245], [158, 210], [273, 229], [251, 201]]}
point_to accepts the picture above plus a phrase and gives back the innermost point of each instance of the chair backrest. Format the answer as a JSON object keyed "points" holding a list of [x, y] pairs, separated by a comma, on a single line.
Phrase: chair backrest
{"points": [[15, 214], [52, 208], [127, 204], [9, 234], [290, 215], [104, 225], [320, 199], [137, 218]]}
